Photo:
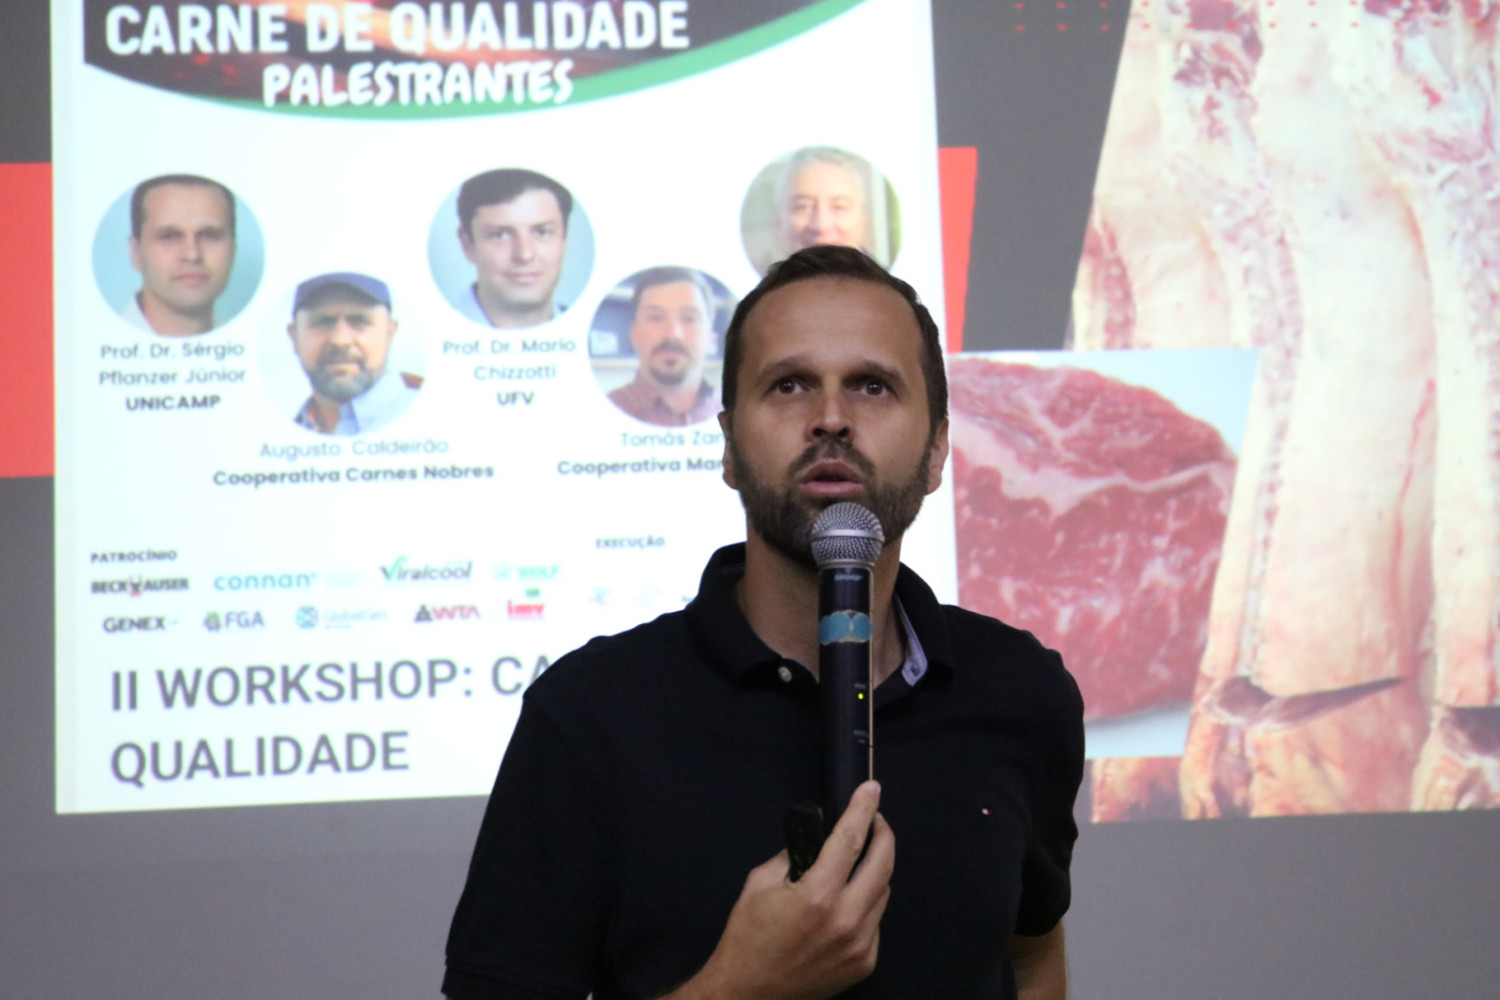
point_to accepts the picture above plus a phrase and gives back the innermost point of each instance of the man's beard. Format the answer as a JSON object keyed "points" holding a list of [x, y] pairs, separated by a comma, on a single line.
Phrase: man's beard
{"points": [[783, 518], [668, 378], [340, 388]]}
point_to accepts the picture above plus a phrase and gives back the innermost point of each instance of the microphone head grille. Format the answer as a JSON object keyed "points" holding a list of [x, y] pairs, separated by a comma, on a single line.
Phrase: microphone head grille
{"points": [[846, 533]]}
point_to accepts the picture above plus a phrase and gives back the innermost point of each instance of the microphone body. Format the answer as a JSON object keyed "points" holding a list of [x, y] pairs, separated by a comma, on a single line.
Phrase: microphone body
{"points": [[846, 542], [844, 685]]}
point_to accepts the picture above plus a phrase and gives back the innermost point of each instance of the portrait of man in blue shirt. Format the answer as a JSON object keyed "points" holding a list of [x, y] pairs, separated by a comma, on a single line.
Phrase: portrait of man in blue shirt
{"points": [[342, 329]]}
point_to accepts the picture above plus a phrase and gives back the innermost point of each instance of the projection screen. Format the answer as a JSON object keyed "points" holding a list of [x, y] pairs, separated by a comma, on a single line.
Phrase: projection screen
{"points": [[1217, 280]]}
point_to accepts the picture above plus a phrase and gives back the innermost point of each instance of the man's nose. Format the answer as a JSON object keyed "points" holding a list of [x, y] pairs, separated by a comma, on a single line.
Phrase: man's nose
{"points": [[831, 419], [343, 332], [523, 248], [815, 219], [192, 248]]}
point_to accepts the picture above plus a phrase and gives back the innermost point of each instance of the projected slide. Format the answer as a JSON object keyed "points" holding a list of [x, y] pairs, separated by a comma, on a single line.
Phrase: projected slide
{"points": [[388, 352], [1320, 185]]}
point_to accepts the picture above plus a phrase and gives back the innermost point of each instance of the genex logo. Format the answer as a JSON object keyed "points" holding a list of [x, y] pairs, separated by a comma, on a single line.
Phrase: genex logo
{"points": [[402, 571], [444, 613], [146, 623]]}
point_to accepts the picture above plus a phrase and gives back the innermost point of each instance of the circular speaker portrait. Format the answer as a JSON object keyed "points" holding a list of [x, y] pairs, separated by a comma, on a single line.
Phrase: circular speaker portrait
{"points": [[819, 195], [178, 255], [511, 249], [657, 345]]}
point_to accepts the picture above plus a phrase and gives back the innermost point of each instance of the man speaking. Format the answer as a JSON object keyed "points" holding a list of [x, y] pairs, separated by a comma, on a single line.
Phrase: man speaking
{"points": [[342, 331], [631, 844]]}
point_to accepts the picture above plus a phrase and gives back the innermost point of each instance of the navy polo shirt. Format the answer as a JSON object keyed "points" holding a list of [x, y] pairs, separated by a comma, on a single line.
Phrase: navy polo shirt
{"points": [[649, 772]]}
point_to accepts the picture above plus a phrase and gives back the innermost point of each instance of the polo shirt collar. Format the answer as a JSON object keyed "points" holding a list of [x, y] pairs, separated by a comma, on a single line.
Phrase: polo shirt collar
{"points": [[720, 629]]}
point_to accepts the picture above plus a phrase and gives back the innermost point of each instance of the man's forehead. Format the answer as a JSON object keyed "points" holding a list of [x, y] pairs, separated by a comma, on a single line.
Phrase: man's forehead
{"points": [[172, 197], [820, 175], [672, 293], [832, 311], [531, 202]]}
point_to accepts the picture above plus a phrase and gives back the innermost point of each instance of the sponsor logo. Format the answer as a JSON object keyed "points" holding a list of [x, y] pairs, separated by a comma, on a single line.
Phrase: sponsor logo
{"points": [[233, 621], [142, 623], [530, 608], [264, 581], [135, 586], [309, 617], [446, 613], [350, 617], [405, 571], [504, 572]]}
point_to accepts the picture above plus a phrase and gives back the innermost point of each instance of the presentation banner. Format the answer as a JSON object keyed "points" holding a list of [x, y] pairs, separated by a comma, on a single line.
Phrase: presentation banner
{"points": [[388, 351]]}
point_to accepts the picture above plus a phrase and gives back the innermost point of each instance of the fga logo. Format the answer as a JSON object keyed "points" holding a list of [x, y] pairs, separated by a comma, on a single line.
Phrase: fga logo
{"points": [[447, 613], [233, 621], [404, 571], [135, 586], [144, 623]]}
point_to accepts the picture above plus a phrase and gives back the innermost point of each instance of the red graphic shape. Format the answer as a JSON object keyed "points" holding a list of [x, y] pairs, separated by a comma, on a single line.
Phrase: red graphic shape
{"points": [[958, 172], [26, 435]]}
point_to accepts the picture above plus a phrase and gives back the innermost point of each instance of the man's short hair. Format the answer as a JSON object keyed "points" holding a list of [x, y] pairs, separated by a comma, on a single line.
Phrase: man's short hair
{"points": [[858, 168], [496, 187], [138, 197], [653, 276], [826, 261]]}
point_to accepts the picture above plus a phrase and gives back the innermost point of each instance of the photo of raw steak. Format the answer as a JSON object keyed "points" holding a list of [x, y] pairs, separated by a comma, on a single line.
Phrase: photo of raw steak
{"points": [[1090, 512]]}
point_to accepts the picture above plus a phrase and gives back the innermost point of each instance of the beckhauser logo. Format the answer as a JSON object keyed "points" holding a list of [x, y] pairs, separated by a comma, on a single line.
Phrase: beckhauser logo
{"points": [[144, 623], [447, 613], [135, 586], [233, 621], [405, 571], [264, 581]]}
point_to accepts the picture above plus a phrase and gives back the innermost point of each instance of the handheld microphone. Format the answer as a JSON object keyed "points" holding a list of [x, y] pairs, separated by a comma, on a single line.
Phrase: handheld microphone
{"points": [[846, 541]]}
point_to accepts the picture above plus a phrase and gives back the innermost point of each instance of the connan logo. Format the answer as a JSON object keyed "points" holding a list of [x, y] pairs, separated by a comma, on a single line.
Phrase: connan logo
{"points": [[405, 571], [265, 581]]}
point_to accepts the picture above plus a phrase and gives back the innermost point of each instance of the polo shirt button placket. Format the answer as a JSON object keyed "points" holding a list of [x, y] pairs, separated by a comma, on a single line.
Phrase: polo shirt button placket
{"points": [[785, 673]]}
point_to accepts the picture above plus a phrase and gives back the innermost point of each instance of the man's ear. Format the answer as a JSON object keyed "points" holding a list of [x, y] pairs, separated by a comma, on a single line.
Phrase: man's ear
{"points": [[727, 468], [938, 457], [135, 253], [466, 243]]}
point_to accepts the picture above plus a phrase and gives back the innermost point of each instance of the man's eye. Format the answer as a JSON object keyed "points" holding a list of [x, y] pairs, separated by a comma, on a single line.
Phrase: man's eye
{"points": [[784, 385], [875, 387]]}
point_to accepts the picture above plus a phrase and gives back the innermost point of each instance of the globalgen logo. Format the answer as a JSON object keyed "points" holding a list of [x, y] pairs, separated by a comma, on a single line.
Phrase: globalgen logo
{"points": [[403, 571], [265, 581]]}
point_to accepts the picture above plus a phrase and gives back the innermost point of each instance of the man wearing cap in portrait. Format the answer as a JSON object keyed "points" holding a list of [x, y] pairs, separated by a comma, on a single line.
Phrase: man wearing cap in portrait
{"points": [[342, 331]]}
